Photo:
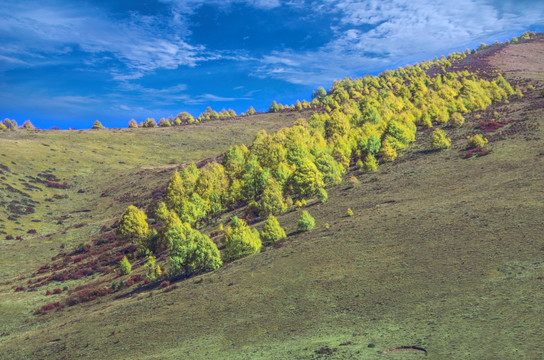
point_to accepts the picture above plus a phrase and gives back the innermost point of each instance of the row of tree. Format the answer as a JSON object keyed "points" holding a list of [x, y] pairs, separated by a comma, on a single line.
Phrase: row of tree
{"points": [[365, 121], [12, 125]]}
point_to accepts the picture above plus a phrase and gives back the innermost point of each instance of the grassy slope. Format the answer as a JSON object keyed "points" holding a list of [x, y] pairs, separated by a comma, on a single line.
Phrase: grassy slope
{"points": [[442, 253], [123, 164]]}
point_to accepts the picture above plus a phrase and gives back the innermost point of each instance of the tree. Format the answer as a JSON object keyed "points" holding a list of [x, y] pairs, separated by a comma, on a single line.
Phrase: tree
{"points": [[27, 125], [370, 164], [150, 123], [274, 107], [132, 124], [440, 140], [306, 179], [298, 106], [152, 269], [387, 152], [164, 123], [97, 125], [272, 231], [191, 252], [251, 111], [124, 266], [133, 225], [175, 192], [306, 222], [272, 201], [241, 240]]}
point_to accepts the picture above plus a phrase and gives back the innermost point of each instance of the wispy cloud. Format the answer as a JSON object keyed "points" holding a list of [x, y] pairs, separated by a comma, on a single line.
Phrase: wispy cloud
{"points": [[372, 34], [139, 44]]}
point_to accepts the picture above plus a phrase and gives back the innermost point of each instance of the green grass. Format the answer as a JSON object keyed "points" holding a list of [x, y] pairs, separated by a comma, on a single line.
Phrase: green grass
{"points": [[442, 252]]}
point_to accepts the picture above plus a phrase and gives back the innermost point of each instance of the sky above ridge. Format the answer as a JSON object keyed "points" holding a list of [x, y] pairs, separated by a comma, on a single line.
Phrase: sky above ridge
{"points": [[68, 63]]}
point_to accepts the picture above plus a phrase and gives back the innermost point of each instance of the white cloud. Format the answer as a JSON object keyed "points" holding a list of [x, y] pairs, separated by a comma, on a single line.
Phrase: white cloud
{"points": [[373, 34], [140, 43]]}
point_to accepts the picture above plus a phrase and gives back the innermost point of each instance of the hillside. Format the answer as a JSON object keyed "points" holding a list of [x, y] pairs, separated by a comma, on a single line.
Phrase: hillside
{"points": [[443, 252]]}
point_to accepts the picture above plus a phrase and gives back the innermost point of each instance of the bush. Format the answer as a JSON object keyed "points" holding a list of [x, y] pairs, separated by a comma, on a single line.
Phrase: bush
{"points": [[306, 222], [241, 240], [476, 141], [440, 140], [272, 231], [457, 120], [353, 181], [322, 195], [125, 266], [349, 212], [132, 124]]}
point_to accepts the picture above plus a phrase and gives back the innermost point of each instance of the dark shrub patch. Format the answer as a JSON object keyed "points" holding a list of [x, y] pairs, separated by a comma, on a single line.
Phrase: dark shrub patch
{"points": [[173, 287], [469, 154], [57, 291], [57, 185], [9, 237], [48, 307], [164, 284], [31, 231]]}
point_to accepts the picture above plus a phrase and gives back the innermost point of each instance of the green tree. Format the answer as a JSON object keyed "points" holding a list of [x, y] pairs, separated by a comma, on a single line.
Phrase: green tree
{"points": [[191, 252], [164, 123], [272, 201], [274, 107], [272, 231], [152, 269], [97, 125], [306, 222], [370, 164], [27, 125], [306, 179], [132, 124], [440, 140], [150, 123], [251, 111], [175, 193], [241, 240], [124, 266], [133, 225]]}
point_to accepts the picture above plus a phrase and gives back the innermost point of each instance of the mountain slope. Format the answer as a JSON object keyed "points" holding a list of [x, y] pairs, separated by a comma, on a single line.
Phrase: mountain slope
{"points": [[443, 253]]}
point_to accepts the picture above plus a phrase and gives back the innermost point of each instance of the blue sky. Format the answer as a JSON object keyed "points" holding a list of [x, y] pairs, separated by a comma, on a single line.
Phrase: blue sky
{"points": [[67, 63]]}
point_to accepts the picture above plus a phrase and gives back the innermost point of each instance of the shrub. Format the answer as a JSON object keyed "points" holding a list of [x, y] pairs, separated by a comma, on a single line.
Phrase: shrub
{"points": [[97, 125], [241, 240], [133, 225], [353, 181], [349, 212], [124, 266], [272, 231], [306, 222], [132, 124], [457, 120], [322, 195], [476, 141], [440, 140], [251, 111]]}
